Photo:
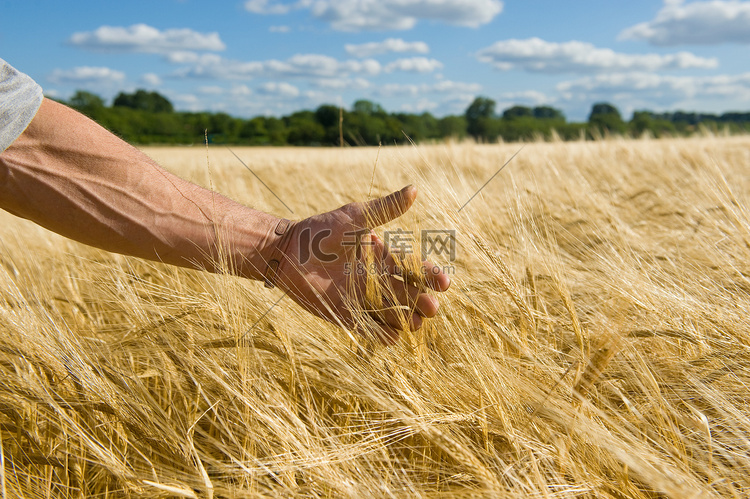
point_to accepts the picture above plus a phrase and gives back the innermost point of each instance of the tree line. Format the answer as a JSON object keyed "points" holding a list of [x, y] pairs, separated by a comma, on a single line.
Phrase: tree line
{"points": [[144, 117]]}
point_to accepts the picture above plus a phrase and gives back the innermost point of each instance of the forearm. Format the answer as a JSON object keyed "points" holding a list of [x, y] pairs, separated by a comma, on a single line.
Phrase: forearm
{"points": [[73, 177]]}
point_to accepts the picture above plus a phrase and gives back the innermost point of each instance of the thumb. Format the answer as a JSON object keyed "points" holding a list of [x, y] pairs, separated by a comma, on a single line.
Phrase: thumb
{"points": [[382, 210]]}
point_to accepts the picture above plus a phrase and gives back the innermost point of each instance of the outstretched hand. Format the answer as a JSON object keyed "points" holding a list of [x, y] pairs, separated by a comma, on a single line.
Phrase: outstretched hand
{"points": [[337, 268], [107, 194]]}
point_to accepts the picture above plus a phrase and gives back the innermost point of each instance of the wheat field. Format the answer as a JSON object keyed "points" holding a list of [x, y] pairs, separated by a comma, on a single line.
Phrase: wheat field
{"points": [[595, 340]]}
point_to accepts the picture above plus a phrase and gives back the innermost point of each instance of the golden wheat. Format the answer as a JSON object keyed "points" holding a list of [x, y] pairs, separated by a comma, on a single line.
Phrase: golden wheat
{"points": [[594, 341]]}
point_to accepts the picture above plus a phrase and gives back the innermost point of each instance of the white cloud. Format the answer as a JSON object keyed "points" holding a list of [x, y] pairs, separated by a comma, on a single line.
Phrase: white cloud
{"points": [[188, 57], [321, 65], [212, 66], [279, 29], [448, 86], [357, 15], [313, 95], [342, 83], [280, 89], [443, 86], [414, 65], [211, 90], [457, 103], [300, 65], [187, 102], [420, 106], [186, 98], [387, 45], [144, 38], [537, 55], [533, 97], [182, 57], [529, 98], [666, 88], [697, 23], [240, 91], [266, 7], [151, 79], [87, 74], [457, 87], [394, 89]]}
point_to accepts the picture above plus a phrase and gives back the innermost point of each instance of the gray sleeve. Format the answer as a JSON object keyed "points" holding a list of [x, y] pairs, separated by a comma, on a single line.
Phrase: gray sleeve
{"points": [[20, 98]]}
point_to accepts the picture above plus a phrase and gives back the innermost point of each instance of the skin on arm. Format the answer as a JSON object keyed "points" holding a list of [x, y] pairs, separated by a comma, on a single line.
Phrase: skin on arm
{"points": [[70, 175]]}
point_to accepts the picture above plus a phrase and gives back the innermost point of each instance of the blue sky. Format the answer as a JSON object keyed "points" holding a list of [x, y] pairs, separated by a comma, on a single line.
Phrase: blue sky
{"points": [[273, 57]]}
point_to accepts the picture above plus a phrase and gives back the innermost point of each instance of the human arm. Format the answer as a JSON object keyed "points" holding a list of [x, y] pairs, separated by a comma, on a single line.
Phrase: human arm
{"points": [[75, 178], [70, 175]]}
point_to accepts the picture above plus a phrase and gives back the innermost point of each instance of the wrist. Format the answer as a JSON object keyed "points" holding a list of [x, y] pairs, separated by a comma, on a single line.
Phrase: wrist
{"points": [[252, 243], [279, 248]]}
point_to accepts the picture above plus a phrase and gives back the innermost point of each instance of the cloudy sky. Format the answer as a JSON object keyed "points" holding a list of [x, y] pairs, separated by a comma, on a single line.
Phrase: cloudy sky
{"points": [[252, 57]]}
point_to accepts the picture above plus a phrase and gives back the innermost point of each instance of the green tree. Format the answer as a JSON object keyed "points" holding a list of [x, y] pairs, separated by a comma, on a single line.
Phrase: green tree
{"points": [[254, 132], [480, 119], [548, 113], [144, 101], [369, 124], [640, 123], [605, 117], [85, 100], [368, 108], [328, 116], [517, 112], [304, 130], [646, 121], [277, 131], [417, 127], [223, 128], [453, 127]]}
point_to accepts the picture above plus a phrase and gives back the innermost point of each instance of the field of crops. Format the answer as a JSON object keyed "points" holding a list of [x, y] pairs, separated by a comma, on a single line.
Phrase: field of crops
{"points": [[595, 341]]}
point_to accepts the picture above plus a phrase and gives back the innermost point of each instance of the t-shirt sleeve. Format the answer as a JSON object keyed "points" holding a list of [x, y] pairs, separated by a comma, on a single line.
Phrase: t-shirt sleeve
{"points": [[20, 98]]}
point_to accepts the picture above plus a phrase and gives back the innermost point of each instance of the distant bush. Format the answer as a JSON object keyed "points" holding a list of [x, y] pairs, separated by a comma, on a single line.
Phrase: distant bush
{"points": [[149, 118]]}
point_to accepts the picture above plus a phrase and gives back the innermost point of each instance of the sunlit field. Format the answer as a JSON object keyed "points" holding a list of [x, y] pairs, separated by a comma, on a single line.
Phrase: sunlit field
{"points": [[595, 341]]}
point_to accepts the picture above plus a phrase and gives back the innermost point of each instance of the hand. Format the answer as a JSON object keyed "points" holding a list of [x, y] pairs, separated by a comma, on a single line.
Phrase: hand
{"points": [[337, 268]]}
